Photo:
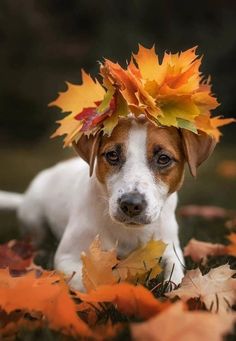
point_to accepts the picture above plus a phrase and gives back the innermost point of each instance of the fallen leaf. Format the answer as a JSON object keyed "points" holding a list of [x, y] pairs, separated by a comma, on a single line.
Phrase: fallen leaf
{"points": [[103, 267], [207, 212], [98, 265], [129, 299], [199, 250], [142, 260], [16, 255], [231, 248], [176, 323], [217, 289], [227, 169], [47, 294]]}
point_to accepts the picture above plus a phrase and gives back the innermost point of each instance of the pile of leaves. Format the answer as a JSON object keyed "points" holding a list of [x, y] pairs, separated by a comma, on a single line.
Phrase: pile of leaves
{"points": [[125, 299], [171, 92]]}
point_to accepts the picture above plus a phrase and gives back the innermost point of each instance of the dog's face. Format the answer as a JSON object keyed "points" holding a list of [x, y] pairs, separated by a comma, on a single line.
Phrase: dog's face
{"points": [[139, 166]]}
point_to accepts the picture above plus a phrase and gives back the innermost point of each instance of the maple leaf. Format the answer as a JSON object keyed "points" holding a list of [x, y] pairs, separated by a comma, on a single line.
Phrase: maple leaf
{"points": [[199, 250], [210, 125], [176, 323], [98, 265], [141, 261], [217, 289], [46, 293], [231, 248], [169, 92], [130, 299], [103, 267], [16, 255], [74, 100]]}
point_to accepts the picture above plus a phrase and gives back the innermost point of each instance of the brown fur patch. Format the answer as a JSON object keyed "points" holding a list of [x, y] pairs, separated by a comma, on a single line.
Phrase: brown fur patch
{"points": [[119, 136], [169, 140]]}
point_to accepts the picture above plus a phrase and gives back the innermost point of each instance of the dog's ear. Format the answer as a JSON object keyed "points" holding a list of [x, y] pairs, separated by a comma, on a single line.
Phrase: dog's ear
{"points": [[87, 148], [197, 148]]}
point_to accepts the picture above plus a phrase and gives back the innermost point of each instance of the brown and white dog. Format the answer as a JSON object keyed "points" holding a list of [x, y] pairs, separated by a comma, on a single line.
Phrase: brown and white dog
{"points": [[130, 197]]}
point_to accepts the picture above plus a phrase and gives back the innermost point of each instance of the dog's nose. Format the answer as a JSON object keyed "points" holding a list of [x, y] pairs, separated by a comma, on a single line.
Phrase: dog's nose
{"points": [[132, 204]]}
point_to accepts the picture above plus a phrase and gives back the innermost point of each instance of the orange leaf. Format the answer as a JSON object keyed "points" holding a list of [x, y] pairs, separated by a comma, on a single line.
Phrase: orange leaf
{"points": [[74, 100], [231, 248], [175, 323], [103, 267], [198, 250], [47, 294], [97, 265], [131, 300]]}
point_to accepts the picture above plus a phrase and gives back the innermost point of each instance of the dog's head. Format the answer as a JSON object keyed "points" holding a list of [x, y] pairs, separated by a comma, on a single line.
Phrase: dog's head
{"points": [[140, 165]]}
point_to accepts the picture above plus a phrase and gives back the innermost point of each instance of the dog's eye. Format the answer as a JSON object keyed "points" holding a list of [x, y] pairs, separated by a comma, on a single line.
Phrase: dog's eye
{"points": [[112, 157], [163, 160]]}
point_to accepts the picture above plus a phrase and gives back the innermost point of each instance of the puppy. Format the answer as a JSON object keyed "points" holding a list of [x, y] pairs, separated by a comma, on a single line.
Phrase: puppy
{"points": [[129, 198]]}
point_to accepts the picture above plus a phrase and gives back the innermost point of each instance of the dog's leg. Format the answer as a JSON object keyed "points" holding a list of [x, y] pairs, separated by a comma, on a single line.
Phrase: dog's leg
{"points": [[67, 259], [173, 262], [173, 257]]}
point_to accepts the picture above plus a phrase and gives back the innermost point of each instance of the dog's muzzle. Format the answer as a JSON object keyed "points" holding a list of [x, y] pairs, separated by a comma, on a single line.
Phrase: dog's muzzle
{"points": [[131, 209]]}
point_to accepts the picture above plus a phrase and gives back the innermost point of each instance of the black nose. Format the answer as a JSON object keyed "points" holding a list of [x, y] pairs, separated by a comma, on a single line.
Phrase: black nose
{"points": [[132, 204]]}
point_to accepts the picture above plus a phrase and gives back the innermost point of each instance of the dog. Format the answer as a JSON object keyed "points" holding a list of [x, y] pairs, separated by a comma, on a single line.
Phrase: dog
{"points": [[129, 198]]}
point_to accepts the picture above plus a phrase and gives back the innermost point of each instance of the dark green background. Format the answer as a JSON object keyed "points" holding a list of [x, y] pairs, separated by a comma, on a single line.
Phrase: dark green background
{"points": [[43, 43]]}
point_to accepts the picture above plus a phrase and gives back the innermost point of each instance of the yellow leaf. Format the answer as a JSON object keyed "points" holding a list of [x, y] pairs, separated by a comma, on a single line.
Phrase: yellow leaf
{"points": [[210, 124], [97, 266], [148, 63], [182, 109], [103, 267], [74, 100], [120, 111], [142, 260], [78, 97]]}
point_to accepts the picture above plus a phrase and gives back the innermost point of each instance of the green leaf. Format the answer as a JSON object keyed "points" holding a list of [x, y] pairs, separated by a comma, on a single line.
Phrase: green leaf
{"points": [[186, 125]]}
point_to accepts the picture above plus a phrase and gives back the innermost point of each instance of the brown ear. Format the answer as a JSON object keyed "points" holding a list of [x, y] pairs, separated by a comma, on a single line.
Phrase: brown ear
{"points": [[197, 148], [87, 149]]}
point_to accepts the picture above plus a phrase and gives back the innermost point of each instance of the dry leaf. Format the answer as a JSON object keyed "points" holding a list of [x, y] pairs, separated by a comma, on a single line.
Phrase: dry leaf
{"points": [[169, 92], [227, 169], [207, 212], [217, 289], [142, 260], [175, 323], [47, 294], [103, 267], [16, 255], [129, 299], [199, 250], [98, 265], [231, 248]]}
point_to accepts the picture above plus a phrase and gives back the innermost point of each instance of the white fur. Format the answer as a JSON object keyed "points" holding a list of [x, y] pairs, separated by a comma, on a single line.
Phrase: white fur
{"points": [[136, 175], [77, 208]]}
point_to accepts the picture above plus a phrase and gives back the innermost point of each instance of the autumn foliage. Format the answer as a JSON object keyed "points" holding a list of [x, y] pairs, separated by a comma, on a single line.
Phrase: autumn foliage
{"points": [[169, 92], [33, 298]]}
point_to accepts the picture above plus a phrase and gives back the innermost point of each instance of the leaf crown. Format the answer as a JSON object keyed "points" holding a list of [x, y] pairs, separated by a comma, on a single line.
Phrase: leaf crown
{"points": [[172, 92]]}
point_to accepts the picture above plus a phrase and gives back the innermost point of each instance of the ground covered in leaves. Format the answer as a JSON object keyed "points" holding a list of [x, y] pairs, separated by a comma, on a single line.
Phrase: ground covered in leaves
{"points": [[38, 304]]}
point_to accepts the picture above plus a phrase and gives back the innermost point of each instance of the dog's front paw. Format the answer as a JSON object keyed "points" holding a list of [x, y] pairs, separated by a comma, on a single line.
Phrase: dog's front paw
{"points": [[76, 282], [173, 272]]}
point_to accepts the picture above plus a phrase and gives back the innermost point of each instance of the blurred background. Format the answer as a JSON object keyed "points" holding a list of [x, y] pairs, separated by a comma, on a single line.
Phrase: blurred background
{"points": [[44, 43]]}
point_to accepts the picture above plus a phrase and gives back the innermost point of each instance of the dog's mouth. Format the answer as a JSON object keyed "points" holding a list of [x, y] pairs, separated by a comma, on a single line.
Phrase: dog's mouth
{"points": [[135, 222]]}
